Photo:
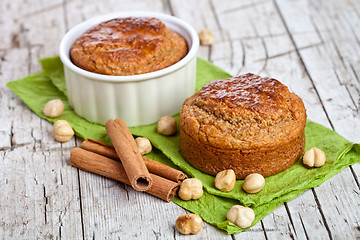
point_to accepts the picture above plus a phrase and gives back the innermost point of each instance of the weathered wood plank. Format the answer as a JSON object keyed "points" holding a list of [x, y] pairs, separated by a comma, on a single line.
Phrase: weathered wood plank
{"points": [[40, 196], [264, 54], [8, 101], [312, 47], [326, 65], [339, 199], [112, 209], [17, 134], [306, 217], [243, 54]]}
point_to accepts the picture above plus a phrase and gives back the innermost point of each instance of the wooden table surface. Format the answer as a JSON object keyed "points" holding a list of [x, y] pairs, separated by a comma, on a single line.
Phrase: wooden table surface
{"points": [[311, 46]]}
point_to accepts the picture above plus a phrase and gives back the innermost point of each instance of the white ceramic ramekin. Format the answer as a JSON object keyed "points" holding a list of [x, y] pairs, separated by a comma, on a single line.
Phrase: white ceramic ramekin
{"points": [[139, 99]]}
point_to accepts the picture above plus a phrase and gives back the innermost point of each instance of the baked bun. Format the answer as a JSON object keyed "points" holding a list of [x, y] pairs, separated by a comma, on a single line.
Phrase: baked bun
{"points": [[250, 124], [128, 46]]}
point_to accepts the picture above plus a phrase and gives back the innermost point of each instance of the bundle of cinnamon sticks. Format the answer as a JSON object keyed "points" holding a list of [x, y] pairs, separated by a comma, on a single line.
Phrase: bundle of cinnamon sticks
{"points": [[124, 163]]}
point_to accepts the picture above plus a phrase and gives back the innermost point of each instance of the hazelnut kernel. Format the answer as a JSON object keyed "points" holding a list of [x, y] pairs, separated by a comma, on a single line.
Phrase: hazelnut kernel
{"points": [[314, 157], [190, 188], [225, 180], [53, 108], [253, 183], [167, 126], [144, 145], [241, 216], [62, 131], [206, 37], [189, 224]]}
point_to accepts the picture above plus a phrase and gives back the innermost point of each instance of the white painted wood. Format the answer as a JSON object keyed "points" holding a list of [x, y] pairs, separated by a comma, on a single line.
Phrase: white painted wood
{"points": [[337, 88], [335, 197], [110, 209], [268, 56], [306, 217], [311, 46], [39, 190], [329, 64]]}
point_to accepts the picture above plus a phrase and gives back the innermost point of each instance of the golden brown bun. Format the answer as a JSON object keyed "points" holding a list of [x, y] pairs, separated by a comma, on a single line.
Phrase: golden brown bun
{"points": [[247, 123], [128, 46]]}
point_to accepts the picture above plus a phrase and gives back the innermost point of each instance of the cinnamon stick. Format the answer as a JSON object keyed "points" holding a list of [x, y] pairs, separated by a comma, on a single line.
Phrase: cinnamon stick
{"points": [[95, 163], [128, 152], [153, 166]]}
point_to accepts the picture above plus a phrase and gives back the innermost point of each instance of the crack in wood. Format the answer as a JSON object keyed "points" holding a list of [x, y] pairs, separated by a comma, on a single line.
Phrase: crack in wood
{"points": [[291, 235], [174, 232], [357, 228], [15, 40], [259, 36], [43, 10], [338, 211], [266, 56], [63, 213], [12, 145], [264, 230], [45, 205], [355, 178], [355, 73], [61, 178], [243, 7], [316, 29], [322, 214], [209, 53], [167, 7], [303, 226], [36, 181], [126, 190], [156, 234], [346, 85], [80, 205], [5, 148], [342, 60], [290, 218], [60, 232], [288, 52]]}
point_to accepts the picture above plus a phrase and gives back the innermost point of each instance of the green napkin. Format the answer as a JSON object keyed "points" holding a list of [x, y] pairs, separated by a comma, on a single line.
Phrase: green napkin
{"points": [[35, 90]]}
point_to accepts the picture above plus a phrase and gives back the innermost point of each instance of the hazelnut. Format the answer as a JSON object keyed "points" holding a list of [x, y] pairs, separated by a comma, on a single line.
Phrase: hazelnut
{"points": [[191, 188], [62, 131], [144, 145], [189, 224], [206, 37], [253, 183], [241, 216], [53, 108], [314, 157], [225, 180], [167, 126]]}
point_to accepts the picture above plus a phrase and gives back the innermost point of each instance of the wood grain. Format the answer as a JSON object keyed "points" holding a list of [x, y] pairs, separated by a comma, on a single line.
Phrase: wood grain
{"points": [[311, 46]]}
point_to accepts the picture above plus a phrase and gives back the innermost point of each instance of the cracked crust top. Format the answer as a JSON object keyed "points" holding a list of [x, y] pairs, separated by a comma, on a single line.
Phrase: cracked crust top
{"points": [[128, 46], [244, 112]]}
